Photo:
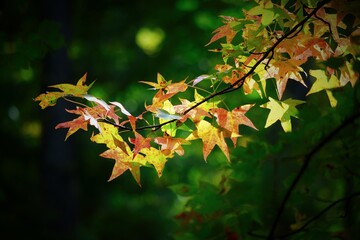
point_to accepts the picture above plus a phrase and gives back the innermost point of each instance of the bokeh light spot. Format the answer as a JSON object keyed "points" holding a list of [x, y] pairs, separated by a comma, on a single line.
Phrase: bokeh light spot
{"points": [[150, 39]]}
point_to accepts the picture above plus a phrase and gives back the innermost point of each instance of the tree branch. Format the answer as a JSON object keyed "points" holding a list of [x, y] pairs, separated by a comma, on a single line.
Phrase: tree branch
{"points": [[239, 83], [306, 162], [314, 218]]}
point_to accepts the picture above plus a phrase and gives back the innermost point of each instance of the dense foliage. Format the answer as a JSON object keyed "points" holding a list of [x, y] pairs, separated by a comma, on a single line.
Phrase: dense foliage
{"points": [[279, 62]]}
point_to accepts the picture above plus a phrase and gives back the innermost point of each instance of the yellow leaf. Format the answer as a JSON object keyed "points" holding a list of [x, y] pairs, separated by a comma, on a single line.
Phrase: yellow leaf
{"points": [[210, 137], [50, 98], [282, 111], [323, 82], [157, 158]]}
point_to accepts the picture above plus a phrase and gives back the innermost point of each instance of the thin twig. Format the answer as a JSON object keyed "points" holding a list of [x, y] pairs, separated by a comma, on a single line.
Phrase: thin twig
{"points": [[311, 220], [322, 212]]}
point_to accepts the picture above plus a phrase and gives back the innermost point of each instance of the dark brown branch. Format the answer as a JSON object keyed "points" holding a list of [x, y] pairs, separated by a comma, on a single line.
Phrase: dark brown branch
{"points": [[303, 168]]}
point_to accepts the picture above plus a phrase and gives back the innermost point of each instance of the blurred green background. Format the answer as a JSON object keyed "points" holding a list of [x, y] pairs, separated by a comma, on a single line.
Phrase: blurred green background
{"points": [[51, 189]]}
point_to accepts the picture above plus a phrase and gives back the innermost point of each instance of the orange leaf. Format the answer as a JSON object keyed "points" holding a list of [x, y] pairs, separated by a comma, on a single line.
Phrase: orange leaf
{"points": [[195, 114], [158, 101], [140, 143], [223, 31], [231, 120], [124, 162], [74, 125], [172, 144], [176, 87]]}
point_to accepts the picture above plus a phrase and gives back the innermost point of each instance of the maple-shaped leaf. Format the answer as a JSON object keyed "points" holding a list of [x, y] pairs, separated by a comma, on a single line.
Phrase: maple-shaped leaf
{"points": [[73, 125], [303, 46], [265, 9], [210, 137], [195, 114], [230, 120], [223, 31], [158, 101], [282, 111], [81, 122], [157, 158], [256, 36], [110, 136], [139, 143], [198, 113], [88, 115], [119, 151], [124, 162], [173, 144], [282, 71], [323, 82], [50, 98], [161, 82], [171, 88]]}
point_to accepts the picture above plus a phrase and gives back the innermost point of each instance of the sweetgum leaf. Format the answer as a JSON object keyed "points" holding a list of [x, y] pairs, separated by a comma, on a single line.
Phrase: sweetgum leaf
{"points": [[230, 120], [323, 82], [78, 90], [210, 137], [282, 111]]}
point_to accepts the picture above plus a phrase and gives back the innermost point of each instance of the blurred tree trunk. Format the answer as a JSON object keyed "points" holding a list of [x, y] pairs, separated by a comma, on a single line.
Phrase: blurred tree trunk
{"points": [[58, 156]]}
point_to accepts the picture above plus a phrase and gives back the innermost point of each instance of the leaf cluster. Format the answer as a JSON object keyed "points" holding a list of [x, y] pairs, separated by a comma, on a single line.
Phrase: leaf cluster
{"points": [[312, 45]]}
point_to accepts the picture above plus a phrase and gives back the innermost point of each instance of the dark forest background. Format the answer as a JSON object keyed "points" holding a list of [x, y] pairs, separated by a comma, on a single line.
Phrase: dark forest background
{"points": [[51, 189]]}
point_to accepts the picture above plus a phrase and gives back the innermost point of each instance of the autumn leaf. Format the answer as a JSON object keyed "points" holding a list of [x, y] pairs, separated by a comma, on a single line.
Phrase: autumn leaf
{"points": [[176, 87], [282, 71], [50, 98], [73, 125], [265, 9], [348, 74], [88, 115], [158, 101], [139, 143], [123, 163], [173, 144], [323, 82], [210, 137], [282, 111], [196, 114], [157, 158], [110, 136], [161, 82], [171, 88], [119, 151], [231, 120], [223, 31]]}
